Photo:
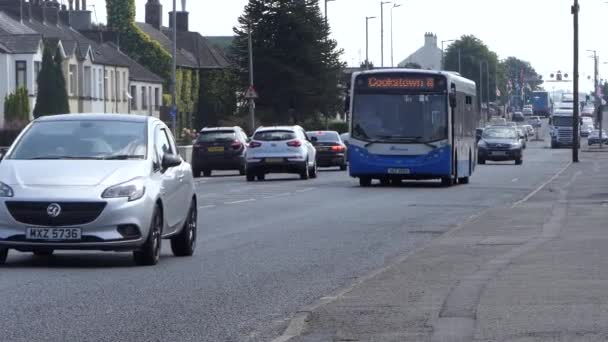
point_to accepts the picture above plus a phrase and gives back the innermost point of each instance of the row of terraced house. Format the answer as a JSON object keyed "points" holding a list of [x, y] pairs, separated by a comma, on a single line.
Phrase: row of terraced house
{"points": [[100, 78]]}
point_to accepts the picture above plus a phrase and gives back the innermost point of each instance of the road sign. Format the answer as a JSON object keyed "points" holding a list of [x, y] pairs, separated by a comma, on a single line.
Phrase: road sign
{"points": [[173, 111], [251, 94]]}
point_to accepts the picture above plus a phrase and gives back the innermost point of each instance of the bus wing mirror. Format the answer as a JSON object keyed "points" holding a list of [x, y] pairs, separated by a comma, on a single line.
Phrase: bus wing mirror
{"points": [[453, 100], [347, 104]]}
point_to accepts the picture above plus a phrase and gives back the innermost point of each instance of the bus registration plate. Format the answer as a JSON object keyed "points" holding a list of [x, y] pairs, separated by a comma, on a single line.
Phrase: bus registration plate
{"points": [[398, 171]]}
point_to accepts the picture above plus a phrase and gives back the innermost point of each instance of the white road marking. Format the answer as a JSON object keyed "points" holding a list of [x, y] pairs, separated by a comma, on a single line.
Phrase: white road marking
{"points": [[542, 186], [241, 201], [207, 206], [278, 195], [514, 180], [305, 190]]}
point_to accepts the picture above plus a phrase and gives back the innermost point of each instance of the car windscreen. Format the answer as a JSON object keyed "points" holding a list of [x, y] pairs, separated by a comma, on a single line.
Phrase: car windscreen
{"points": [[83, 139], [500, 133], [392, 117], [278, 135], [216, 136], [326, 137]]}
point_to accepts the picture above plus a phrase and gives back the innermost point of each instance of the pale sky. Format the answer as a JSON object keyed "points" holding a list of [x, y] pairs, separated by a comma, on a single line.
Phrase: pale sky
{"points": [[539, 31]]}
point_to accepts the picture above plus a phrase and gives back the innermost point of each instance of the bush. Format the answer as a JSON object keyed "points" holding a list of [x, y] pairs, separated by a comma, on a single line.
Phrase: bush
{"points": [[338, 126]]}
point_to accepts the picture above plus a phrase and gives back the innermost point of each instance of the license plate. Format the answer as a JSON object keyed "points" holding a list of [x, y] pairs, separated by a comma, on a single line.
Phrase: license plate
{"points": [[50, 234], [399, 171], [498, 153], [274, 160], [216, 149]]}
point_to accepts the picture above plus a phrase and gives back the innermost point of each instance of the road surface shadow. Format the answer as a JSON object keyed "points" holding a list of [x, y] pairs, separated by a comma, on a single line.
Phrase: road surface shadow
{"points": [[71, 260]]}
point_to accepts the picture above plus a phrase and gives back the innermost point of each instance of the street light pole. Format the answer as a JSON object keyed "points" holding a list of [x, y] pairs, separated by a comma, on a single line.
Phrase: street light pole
{"points": [[392, 55], [382, 3], [442, 52], [367, 41], [251, 99], [174, 72], [575, 129]]}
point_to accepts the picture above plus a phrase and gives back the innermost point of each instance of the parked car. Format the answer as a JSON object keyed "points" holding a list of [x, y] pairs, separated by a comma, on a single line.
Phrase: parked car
{"points": [[528, 111], [500, 144], [281, 149], [219, 148], [331, 151], [594, 138], [535, 121], [97, 182]]}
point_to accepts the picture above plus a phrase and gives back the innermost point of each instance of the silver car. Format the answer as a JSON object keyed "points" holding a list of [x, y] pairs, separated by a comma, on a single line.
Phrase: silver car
{"points": [[96, 182]]}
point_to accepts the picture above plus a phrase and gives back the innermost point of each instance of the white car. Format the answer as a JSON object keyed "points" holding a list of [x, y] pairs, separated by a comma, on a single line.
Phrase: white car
{"points": [[281, 149]]}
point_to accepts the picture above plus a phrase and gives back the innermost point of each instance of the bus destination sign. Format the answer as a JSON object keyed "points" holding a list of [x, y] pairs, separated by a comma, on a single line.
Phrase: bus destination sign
{"points": [[400, 82]]}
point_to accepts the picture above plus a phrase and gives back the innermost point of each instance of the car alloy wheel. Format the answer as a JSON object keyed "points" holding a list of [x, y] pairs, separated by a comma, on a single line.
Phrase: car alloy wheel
{"points": [[184, 243], [305, 173], [149, 254]]}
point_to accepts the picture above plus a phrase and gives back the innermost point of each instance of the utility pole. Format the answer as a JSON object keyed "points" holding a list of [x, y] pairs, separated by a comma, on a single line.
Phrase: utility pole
{"points": [[392, 54], [459, 61], [326, 1], [367, 41], [251, 98], [174, 72], [443, 53], [481, 87], [382, 3], [575, 128]]}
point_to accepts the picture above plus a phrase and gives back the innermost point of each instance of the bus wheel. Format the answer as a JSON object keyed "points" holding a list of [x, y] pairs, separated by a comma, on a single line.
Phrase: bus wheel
{"points": [[447, 181], [365, 181], [385, 181]]}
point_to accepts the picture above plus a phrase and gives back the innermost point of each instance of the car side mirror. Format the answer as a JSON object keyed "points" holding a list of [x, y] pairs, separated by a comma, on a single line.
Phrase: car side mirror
{"points": [[171, 160], [452, 96]]}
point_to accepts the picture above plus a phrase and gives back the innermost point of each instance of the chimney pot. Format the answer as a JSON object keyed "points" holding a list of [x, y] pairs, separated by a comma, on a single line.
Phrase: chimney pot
{"points": [[154, 14], [182, 21]]}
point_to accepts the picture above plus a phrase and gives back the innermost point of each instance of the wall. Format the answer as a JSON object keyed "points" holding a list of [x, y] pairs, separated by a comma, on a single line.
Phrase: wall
{"points": [[73, 99], [153, 107], [7, 78], [116, 100]]}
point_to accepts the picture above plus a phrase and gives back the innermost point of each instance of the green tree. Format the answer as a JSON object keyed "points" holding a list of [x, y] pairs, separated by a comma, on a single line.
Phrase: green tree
{"points": [[521, 75], [137, 44], [475, 59], [61, 94], [17, 108], [217, 103], [47, 83], [297, 65]]}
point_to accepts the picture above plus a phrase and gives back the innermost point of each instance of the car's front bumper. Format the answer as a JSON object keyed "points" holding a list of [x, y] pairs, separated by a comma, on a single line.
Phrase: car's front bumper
{"points": [[103, 233], [499, 155]]}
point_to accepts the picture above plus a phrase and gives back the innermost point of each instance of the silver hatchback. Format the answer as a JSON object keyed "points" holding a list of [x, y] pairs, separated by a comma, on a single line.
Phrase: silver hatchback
{"points": [[96, 182]]}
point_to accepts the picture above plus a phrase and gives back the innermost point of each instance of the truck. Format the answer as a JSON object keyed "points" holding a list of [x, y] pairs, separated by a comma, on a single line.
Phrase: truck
{"points": [[561, 125], [542, 104]]}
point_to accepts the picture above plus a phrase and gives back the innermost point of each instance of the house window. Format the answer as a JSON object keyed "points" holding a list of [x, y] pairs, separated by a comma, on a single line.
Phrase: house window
{"points": [[106, 85], [72, 73], [37, 67], [99, 85], [144, 98], [87, 81], [21, 74], [157, 98], [124, 85], [133, 97], [112, 85]]}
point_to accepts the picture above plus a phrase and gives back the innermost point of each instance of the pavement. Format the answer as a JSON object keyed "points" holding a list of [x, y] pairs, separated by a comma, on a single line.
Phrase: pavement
{"points": [[268, 251], [530, 271]]}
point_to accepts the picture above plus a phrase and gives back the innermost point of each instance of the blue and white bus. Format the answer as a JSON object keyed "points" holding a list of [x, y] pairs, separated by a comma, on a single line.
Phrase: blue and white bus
{"points": [[412, 124]]}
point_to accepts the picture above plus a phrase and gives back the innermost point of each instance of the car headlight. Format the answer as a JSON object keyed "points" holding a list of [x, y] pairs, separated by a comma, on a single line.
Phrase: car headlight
{"points": [[482, 143], [516, 145], [6, 191], [133, 190]]}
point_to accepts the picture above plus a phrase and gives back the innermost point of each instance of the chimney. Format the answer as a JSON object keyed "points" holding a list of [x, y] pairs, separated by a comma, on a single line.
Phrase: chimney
{"points": [[81, 20], [430, 39], [11, 7], [182, 21], [84, 5], [27, 11], [50, 12], [154, 14], [71, 5], [78, 5], [64, 15]]}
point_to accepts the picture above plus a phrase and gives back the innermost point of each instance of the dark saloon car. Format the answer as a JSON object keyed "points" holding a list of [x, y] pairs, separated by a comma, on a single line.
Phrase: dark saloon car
{"points": [[219, 148], [594, 138], [500, 144], [331, 150]]}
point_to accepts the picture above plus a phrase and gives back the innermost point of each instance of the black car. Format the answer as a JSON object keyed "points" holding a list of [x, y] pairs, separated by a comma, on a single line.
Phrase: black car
{"points": [[331, 150], [500, 144], [220, 148]]}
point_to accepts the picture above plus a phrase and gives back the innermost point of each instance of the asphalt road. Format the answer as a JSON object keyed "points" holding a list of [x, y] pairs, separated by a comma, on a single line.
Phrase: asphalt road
{"points": [[265, 250]]}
